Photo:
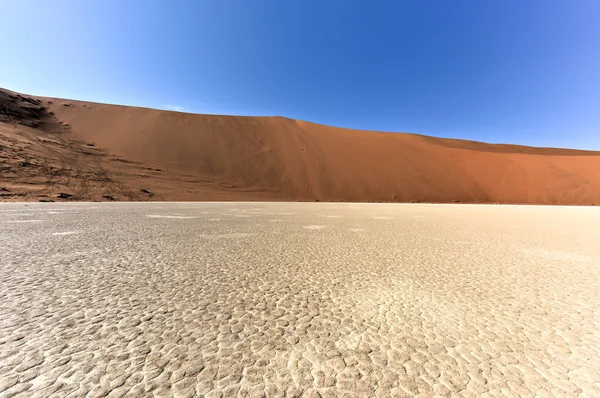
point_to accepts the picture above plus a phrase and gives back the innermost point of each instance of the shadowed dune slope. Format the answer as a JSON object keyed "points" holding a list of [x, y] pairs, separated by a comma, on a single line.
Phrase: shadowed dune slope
{"points": [[275, 158]]}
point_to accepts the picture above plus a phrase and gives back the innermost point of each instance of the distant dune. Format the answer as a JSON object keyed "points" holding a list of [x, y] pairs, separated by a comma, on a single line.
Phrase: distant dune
{"points": [[56, 149]]}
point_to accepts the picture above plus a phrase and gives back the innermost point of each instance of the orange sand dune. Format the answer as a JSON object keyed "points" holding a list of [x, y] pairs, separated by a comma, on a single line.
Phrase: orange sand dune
{"points": [[179, 156]]}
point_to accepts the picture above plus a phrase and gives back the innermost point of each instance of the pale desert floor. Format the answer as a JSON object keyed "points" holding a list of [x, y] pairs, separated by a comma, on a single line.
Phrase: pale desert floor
{"points": [[298, 299]]}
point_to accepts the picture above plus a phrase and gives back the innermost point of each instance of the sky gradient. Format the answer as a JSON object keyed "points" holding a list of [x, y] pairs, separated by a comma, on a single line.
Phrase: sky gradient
{"points": [[523, 72]]}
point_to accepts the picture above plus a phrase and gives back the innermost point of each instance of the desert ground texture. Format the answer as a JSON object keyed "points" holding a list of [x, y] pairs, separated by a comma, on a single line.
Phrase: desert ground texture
{"points": [[298, 299]]}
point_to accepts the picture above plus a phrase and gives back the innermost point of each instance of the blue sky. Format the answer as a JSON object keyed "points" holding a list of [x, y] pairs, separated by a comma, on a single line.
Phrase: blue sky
{"points": [[525, 72]]}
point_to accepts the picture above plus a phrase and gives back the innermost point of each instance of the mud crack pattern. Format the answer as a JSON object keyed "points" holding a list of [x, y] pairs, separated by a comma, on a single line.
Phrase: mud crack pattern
{"points": [[332, 300]]}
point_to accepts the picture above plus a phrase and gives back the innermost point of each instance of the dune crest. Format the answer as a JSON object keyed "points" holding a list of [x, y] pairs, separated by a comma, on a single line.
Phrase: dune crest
{"points": [[95, 151]]}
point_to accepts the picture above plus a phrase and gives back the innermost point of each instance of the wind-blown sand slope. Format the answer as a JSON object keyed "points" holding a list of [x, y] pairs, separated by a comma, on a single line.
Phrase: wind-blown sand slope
{"points": [[208, 157]]}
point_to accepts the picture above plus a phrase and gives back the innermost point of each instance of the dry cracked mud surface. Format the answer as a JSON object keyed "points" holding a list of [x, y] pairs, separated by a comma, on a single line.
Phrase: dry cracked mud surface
{"points": [[298, 299]]}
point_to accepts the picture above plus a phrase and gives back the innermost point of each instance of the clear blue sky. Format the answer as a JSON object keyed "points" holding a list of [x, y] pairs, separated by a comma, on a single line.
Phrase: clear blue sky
{"points": [[518, 71]]}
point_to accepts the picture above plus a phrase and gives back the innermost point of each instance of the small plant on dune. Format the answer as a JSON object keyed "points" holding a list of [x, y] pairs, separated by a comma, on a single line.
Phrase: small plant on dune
{"points": [[6, 111]]}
